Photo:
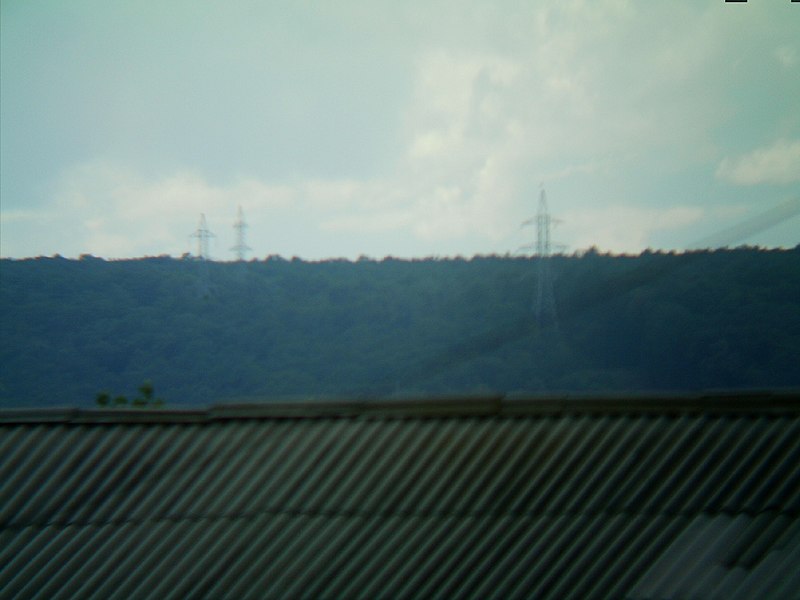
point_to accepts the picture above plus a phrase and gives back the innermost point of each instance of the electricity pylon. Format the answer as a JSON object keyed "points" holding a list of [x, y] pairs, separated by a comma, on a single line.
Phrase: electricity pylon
{"points": [[203, 234], [544, 303], [240, 226]]}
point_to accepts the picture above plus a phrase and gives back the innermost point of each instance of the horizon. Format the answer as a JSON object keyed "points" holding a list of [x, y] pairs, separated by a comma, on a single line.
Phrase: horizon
{"points": [[578, 253]]}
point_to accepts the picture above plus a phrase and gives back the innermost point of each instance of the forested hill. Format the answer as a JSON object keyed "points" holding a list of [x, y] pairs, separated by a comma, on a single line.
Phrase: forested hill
{"points": [[206, 332]]}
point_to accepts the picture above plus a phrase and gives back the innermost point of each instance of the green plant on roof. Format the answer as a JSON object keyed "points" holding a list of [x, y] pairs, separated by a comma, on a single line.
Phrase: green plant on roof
{"points": [[147, 390], [145, 398]]}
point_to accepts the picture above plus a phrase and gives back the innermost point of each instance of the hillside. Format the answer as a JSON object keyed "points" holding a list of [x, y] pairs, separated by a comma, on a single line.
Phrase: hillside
{"points": [[215, 332]]}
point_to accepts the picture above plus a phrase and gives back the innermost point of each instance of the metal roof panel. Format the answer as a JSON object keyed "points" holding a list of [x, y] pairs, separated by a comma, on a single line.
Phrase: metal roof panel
{"points": [[528, 498]]}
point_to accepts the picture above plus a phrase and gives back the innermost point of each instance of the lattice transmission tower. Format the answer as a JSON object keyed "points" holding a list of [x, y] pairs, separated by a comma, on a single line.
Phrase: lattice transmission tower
{"points": [[544, 303], [240, 226], [203, 235]]}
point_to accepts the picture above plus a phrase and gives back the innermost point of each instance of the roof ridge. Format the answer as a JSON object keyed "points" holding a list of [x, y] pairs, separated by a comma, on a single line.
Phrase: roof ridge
{"points": [[724, 402]]}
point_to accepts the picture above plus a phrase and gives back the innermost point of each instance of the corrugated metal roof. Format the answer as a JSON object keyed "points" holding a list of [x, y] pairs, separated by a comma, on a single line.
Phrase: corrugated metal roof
{"points": [[546, 498]]}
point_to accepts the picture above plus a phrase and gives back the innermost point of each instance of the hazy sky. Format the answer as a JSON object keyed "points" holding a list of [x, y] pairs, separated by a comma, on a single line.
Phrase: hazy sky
{"points": [[410, 128]]}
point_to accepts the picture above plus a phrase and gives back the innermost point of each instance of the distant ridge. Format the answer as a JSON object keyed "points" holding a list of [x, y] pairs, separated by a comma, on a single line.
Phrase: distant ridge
{"points": [[71, 329]]}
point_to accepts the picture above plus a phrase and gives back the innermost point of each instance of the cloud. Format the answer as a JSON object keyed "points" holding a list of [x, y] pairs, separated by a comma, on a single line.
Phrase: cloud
{"points": [[370, 223], [431, 127], [778, 163], [23, 215], [787, 56], [113, 211], [625, 228], [458, 120]]}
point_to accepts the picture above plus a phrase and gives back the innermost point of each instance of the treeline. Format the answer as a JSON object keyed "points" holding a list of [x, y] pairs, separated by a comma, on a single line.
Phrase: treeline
{"points": [[205, 332]]}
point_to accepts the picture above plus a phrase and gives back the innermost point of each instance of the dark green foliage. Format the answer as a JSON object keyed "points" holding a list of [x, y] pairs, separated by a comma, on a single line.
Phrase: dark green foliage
{"points": [[278, 328], [146, 390], [144, 399]]}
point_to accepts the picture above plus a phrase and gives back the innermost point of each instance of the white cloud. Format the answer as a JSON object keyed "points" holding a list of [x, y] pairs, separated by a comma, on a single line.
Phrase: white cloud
{"points": [[624, 228], [608, 99], [369, 223], [113, 211], [787, 56], [23, 215], [778, 163], [459, 99]]}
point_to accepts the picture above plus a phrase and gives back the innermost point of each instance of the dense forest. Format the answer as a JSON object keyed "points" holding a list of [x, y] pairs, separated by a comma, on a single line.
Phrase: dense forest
{"points": [[198, 332]]}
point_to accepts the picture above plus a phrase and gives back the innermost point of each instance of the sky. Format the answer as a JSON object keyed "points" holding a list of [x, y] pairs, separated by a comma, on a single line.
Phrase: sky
{"points": [[383, 128]]}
